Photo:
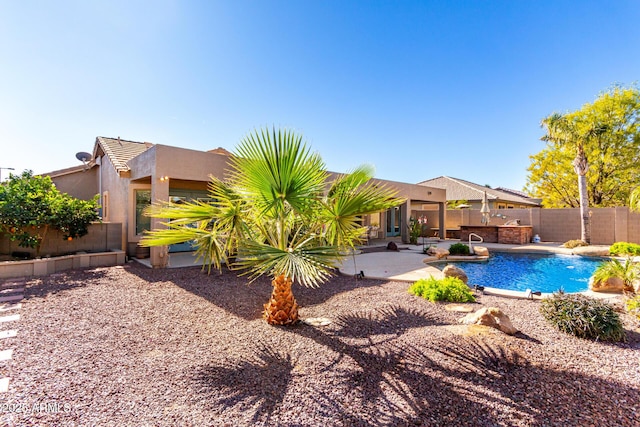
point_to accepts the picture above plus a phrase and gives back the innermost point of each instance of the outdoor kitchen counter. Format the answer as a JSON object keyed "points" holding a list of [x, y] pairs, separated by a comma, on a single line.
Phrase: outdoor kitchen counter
{"points": [[506, 234]]}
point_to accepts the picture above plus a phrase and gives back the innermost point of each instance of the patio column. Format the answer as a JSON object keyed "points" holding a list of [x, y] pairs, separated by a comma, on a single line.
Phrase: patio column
{"points": [[442, 218], [405, 216], [159, 192]]}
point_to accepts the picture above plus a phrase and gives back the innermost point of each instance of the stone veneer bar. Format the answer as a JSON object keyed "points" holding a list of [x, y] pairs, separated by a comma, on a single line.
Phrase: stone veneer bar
{"points": [[506, 234]]}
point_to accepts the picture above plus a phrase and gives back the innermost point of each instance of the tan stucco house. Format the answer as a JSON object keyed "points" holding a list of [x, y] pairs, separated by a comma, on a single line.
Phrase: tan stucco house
{"points": [[129, 175]]}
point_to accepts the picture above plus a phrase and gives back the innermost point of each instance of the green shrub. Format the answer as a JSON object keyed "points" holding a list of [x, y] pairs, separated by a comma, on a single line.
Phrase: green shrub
{"points": [[627, 272], [449, 289], [624, 248], [583, 317], [459, 249], [574, 244], [633, 306]]}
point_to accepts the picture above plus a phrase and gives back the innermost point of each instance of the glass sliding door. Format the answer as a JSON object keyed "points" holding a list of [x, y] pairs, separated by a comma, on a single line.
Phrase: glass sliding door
{"points": [[393, 222]]}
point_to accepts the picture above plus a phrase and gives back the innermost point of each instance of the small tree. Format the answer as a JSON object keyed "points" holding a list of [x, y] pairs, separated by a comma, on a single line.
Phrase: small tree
{"points": [[31, 205], [279, 214]]}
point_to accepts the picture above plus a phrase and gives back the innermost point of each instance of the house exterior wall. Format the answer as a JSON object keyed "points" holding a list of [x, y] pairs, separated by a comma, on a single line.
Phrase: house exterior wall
{"points": [[118, 196], [162, 169], [81, 185]]}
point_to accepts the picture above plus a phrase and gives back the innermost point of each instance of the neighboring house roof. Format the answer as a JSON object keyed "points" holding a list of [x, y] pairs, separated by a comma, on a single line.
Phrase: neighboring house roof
{"points": [[220, 150], [70, 170], [459, 189], [514, 192], [120, 151]]}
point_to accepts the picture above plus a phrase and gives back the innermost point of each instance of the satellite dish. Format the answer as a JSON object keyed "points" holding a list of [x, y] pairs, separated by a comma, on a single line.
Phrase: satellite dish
{"points": [[83, 157]]}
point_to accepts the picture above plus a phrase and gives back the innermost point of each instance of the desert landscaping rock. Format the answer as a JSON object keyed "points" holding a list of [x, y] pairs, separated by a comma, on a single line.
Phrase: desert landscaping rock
{"points": [[596, 251], [460, 308], [453, 271], [492, 317], [135, 346], [480, 251], [611, 285]]}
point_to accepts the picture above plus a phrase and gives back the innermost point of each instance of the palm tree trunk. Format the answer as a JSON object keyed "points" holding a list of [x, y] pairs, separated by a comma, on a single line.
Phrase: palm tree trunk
{"points": [[282, 308], [584, 209], [581, 166]]}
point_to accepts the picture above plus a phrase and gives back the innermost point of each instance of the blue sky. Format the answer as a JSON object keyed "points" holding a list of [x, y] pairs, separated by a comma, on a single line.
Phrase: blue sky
{"points": [[418, 89]]}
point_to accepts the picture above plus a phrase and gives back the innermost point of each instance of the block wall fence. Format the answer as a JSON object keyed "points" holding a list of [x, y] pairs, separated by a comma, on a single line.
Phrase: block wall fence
{"points": [[102, 237], [608, 225]]}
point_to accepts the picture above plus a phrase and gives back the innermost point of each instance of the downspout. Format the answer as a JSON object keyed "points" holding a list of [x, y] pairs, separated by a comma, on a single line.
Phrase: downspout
{"points": [[99, 163]]}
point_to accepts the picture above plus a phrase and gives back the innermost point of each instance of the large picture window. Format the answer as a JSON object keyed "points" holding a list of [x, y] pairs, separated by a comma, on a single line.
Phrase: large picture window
{"points": [[143, 199]]}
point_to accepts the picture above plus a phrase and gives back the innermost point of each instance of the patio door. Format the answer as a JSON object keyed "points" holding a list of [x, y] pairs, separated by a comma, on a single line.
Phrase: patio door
{"points": [[181, 196], [393, 222]]}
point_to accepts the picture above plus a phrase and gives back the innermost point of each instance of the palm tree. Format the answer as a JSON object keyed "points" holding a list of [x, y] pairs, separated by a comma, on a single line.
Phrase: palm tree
{"points": [[278, 213], [567, 130]]}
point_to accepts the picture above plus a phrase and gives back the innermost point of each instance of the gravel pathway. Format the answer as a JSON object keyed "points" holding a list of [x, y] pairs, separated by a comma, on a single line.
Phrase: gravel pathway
{"points": [[132, 346]]}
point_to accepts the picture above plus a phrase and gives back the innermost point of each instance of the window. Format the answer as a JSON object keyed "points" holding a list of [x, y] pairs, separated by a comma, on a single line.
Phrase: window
{"points": [[105, 206], [143, 199], [501, 206]]}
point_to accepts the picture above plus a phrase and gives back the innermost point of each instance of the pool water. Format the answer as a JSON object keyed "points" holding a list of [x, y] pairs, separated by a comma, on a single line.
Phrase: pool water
{"points": [[544, 273]]}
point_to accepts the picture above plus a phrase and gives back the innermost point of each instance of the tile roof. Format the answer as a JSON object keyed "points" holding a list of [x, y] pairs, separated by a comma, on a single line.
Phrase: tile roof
{"points": [[514, 192], [120, 151], [220, 150], [459, 189]]}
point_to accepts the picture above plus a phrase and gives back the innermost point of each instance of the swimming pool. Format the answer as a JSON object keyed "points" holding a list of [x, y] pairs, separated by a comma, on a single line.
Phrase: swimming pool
{"points": [[519, 272]]}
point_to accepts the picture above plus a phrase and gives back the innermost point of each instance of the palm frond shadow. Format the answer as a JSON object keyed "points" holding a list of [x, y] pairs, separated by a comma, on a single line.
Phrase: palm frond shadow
{"points": [[392, 377], [258, 384], [236, 295], [480, 358], [391, 320]]}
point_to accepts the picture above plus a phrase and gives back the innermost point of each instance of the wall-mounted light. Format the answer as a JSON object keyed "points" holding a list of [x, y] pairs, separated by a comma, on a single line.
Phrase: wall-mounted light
{"points": [[164, 178]]}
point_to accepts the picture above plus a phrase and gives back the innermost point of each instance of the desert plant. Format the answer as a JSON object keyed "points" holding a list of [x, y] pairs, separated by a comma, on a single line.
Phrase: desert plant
{"points": [[583, 317], [626, 272], [415, 230], [280, 214], [459, 249], [449, 289], [633, 306], [624, 248], [574, 244]]}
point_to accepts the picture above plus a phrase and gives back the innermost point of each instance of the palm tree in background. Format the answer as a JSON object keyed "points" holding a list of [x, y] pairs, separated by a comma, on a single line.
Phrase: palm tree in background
{"points": [[278, 213], [570, 132]]}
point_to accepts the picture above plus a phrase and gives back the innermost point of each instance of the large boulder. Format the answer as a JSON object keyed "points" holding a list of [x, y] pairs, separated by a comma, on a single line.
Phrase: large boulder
{"points": [[611, 285], [492, 317], [453, 271], [591, 250], [438, 252], [480, 251]]}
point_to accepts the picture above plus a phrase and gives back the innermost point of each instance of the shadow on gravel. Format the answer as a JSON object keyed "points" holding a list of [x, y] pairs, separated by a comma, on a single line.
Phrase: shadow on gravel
{"points": [[378, 378], [37, 287], [238, 296], [259, 383], [633, 338]]}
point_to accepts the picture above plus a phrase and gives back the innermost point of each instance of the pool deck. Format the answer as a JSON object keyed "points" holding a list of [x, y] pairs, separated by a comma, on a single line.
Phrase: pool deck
{"points": [[406, 264]]}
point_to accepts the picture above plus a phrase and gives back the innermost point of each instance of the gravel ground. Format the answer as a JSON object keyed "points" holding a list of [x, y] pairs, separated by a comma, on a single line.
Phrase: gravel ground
{"points": [[132, 346]]}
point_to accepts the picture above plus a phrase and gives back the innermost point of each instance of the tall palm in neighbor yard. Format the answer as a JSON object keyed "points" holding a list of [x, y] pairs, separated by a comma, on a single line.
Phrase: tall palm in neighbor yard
{"points": [[570, 132], [277, 213]]}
